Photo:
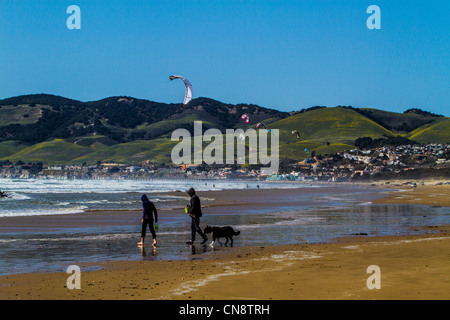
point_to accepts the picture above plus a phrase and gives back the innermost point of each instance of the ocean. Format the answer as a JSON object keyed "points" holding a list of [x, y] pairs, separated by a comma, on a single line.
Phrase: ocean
{"points": [[35, 197], [47, 225]]}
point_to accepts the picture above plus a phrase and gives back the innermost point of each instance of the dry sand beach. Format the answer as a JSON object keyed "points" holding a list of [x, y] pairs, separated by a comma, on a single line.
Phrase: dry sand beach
{"points": [[411, 267]]}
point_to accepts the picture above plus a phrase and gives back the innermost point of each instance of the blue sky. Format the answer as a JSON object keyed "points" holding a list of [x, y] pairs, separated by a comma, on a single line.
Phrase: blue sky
{"points": [[279, 54]]}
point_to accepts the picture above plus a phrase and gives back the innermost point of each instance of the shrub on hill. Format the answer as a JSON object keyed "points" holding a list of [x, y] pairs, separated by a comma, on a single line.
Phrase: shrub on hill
{"points": [[369, 143]]}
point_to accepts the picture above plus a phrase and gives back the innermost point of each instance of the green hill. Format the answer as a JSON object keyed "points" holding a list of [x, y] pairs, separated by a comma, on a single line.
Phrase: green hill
{"points": [[158, 150], [56, 151], [8, 148], [325, 131], [436, 132], [398, 122], [340, 125], [57, 130]]}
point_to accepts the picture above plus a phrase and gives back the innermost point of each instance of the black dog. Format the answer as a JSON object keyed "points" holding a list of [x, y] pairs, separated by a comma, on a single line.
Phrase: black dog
{"points": [[221, 232]]}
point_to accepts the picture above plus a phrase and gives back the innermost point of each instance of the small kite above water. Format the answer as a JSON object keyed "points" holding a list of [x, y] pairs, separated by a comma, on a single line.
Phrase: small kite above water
{"points": [[188, 85]]}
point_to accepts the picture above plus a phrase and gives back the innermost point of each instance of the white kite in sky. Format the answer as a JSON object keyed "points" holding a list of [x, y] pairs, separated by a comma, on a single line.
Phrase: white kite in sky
{"points": [[188, 85]]}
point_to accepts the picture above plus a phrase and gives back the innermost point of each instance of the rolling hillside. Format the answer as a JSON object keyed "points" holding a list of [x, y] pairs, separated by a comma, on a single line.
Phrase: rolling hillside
{"points": [[55, 151], [337, 125], [57, 130], [437, 132], [8, 148]]}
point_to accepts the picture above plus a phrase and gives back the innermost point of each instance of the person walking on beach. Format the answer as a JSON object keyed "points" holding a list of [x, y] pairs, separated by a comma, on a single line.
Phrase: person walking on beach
{"points": [[147, 219], [195, 211]]}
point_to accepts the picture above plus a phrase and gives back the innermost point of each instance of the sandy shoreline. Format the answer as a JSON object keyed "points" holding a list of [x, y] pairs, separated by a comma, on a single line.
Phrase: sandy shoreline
{"points": [[411, 267]]}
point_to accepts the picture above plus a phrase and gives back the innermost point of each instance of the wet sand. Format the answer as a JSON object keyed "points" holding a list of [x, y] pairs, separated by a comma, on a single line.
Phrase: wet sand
{"points": [[411, 267], [213, 202], [432, 195]]}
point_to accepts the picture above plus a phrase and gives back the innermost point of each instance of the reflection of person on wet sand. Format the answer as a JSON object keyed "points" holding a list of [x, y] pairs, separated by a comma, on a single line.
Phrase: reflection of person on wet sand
{"points": [[144, 253], [147, 219]]}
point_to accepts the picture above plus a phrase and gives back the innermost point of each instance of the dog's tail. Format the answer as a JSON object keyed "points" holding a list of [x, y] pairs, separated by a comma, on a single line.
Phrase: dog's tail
{"points": [[236, 233]]}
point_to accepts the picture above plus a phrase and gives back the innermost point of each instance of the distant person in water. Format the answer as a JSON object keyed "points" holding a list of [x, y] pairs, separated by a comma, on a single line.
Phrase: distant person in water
{"points": [[195, 211], [147, 219]]}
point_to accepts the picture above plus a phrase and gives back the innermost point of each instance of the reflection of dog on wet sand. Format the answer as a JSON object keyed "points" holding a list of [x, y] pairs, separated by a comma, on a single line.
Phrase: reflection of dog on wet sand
{"points": [[221, 232]]}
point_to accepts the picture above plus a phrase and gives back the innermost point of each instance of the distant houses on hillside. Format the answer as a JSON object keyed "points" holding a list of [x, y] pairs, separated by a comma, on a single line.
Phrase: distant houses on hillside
{"points": [[350, 165]]}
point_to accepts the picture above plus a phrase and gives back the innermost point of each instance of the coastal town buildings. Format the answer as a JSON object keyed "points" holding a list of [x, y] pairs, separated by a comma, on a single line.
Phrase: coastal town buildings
{"points": [[349, 165]]}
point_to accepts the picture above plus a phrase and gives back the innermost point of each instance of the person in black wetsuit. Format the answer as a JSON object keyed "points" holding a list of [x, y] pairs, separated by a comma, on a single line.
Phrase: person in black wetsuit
{"points": [[147, 219], [195, 211]]}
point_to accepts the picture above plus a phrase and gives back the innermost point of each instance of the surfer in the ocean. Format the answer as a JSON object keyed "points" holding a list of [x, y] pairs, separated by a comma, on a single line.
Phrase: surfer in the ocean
{"points": [[3, 194]]}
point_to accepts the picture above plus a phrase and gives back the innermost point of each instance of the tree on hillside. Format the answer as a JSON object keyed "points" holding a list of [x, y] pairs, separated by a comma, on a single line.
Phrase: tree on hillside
{"points": [[364, 142], [422, 112]]}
